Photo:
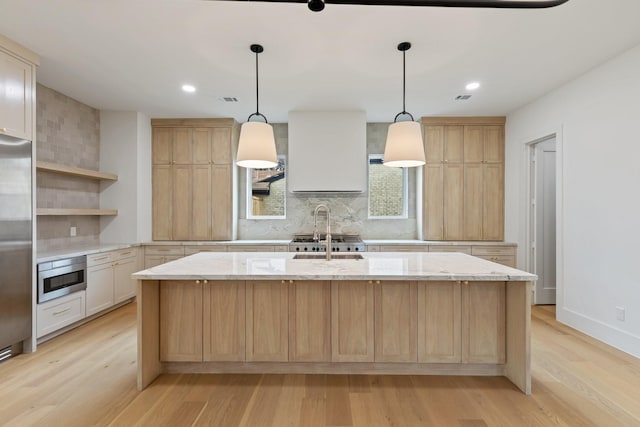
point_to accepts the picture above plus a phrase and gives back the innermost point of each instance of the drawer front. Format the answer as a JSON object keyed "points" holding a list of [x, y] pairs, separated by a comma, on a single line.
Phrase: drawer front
{"points": [[190, 250], [164, 250], [451, 248], [509, 261], [403, 248], [59, 313], [493, 250], [125, 253], [250, 248], [101, 258]]}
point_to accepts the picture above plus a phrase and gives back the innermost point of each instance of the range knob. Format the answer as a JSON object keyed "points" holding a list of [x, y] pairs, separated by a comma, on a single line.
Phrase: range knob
{"points": [[305, 248], [356, 249], [348, 248], [297, 249]]}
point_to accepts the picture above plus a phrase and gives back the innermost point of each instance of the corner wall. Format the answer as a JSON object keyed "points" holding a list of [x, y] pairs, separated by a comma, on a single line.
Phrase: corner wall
{"points": [[125, 149], [597, 117]]}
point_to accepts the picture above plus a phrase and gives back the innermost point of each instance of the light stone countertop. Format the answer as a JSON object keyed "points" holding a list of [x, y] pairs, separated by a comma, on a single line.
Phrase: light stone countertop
{"points": [[375, 265], [74, 251], [436, 242]]}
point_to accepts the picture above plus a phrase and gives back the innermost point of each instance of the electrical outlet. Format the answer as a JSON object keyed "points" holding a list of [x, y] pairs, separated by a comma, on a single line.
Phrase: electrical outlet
{"points": [[620, 314], [73, 232]]}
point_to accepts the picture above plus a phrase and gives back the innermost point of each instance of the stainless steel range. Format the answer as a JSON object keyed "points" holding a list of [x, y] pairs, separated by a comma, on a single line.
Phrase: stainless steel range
{"points": [[339, 243]]}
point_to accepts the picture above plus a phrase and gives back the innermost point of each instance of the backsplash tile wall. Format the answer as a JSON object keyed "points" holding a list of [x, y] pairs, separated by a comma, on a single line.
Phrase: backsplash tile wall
{"points": [[68, 133], [349, 212]]}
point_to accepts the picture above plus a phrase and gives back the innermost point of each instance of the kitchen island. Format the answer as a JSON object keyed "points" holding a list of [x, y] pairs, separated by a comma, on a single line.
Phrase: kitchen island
{"points": [[387, 313]]}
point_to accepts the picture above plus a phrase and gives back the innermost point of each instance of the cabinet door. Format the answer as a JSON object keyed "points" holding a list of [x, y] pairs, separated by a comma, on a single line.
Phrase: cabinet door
{"points": [[493, 202], [201, 220], [310, 321], [434, 144], [221, 188], [182, 146], [493, 150], [124, 285], [483, 322], [181, 203], [224, 321], [99, 288], [180, 321], [454, 144], [395, 321], [439, 322], [221, 146], [16, 95], [267, 321], [453, 209], [473, 144], [352, 321], [162, 195], [162, 148], [473, 201], [201, 146], [433, 201]]}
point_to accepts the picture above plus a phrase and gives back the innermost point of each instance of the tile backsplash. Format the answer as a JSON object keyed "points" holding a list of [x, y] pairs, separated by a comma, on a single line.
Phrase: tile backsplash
{"points": [[68, 133]]}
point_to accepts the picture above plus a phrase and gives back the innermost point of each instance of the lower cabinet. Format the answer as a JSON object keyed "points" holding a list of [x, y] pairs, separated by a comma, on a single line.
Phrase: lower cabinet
{"points": [[109, 279], [396, 312], [333, 321], [310, 321], [60, 312], [352, 321], [460, 322], [267, 321], [181, 321], [224, 327]]}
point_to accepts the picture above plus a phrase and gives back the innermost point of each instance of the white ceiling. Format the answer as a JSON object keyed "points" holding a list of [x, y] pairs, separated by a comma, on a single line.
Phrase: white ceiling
{"points": [[134, 55]]}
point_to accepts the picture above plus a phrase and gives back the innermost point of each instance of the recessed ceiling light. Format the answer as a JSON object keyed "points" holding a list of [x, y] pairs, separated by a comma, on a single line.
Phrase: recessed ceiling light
{"points": [[472, 86], [188, 88]]}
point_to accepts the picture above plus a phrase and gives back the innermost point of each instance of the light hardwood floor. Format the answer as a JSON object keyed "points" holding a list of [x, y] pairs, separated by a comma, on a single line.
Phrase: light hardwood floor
{"points": [[87, 377]]}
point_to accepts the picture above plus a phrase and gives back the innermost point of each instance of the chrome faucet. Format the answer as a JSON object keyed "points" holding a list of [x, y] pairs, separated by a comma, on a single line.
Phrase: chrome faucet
{"points": [[316, 235]]}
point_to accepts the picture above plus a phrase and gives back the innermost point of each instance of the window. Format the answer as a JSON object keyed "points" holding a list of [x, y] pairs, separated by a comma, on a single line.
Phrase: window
{"points": [[266, 192], [387, 190]]}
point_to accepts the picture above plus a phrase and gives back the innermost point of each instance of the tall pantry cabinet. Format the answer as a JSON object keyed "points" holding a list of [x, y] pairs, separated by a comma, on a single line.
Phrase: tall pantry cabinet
{"points": [[463, 178], [193, 178]]}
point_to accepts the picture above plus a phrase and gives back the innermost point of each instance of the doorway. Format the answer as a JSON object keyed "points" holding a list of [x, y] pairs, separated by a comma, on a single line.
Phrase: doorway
{"points": [[543, 218]]}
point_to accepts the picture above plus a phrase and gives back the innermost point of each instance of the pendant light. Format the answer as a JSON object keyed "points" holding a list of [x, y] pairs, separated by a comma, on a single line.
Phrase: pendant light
{"points": [[257, 145], [404, 146]]}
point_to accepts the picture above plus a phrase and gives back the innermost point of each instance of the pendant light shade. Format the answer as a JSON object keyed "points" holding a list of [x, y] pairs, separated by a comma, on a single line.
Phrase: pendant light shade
{"points": [[257, 145], [404, 147]]}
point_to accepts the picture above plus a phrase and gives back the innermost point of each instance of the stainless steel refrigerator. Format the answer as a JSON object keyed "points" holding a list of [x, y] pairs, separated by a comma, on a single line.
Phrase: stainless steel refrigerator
{"points": [[16, 244]]}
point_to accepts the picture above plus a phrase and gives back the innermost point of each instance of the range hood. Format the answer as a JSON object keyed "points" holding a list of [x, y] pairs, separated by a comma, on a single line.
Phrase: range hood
{"points": [[327, 151]]}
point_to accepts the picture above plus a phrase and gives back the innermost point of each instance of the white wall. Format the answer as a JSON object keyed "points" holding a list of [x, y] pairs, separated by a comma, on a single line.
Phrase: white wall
{"points": [[597, 119], [125, 149]]}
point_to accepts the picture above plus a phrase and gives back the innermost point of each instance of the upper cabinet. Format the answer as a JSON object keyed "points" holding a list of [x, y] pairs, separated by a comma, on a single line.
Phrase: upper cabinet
{"points": [[193, 176], [463, 178], [17, 89]]}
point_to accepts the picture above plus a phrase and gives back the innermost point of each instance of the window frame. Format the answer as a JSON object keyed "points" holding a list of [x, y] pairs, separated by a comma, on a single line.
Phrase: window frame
{"points": [[249, 191], [405, 190]]}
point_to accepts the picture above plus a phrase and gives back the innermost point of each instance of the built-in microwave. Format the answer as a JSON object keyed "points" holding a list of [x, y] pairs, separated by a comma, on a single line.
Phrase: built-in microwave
{"points": [[61, 277]]}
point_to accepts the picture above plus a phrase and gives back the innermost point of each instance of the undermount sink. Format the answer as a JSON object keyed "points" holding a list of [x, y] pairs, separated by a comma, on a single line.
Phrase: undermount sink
{"points": [[324, 256]]}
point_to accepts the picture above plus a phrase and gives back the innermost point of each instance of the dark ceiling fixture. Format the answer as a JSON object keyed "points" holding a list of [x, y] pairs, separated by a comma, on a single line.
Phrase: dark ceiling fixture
{"points": [[318, 5]]}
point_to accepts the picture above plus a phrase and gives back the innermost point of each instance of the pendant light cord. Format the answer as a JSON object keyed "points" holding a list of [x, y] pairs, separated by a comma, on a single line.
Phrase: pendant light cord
{"points": [[403, 47], [257, 49]]}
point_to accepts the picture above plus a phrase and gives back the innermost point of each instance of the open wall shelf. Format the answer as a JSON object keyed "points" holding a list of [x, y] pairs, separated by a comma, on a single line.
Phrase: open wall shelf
{"points": [[74, 171], [61, 212]]}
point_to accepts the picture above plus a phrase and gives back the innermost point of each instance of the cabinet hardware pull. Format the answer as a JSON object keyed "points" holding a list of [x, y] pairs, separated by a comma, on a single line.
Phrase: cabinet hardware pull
{"points": [[55, 313], [370, 281], [101, 258], [458, 281], [282, 282], [377, 282], [197, 281], [291, 281], [466, 282], [205, 281], [3, 130], [125, 253]]}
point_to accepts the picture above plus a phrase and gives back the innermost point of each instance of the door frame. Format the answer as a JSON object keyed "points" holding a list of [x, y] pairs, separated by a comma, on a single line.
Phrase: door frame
{"points": [[529, 149]]}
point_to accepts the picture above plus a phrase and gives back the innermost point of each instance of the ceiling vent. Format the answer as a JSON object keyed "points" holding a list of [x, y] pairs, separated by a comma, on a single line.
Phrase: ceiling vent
{"points": [[462, 97], [228, 99]]}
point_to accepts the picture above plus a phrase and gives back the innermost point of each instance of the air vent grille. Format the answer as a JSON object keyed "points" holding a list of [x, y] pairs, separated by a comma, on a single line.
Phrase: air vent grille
{"points": [[462, 97], [5, 353]]}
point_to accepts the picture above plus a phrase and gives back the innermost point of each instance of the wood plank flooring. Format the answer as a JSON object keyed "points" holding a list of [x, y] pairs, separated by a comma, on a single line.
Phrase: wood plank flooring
{"points": [[87, 378]]}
